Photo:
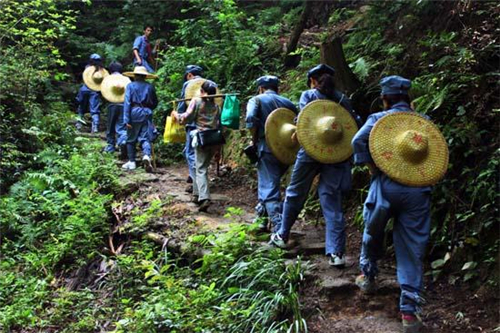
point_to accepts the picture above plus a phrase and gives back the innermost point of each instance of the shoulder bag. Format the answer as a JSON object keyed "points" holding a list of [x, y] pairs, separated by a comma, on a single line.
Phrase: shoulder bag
{"points": [[211, 137]]}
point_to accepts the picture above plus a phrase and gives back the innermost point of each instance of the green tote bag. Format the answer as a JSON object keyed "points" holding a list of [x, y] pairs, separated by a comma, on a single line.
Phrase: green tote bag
{"points": [[230, 116]]}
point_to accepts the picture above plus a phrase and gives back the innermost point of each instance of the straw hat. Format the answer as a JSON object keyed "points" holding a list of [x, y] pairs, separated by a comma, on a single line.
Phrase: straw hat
{"points": [[409, 149], [113, 88], [279, 129], [141, 70], [325, 130], [93, 78], [193, 90]]}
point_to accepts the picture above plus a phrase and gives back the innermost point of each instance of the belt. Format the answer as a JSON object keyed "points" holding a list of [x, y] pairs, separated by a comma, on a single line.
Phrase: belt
{"points": [[140, 105]]}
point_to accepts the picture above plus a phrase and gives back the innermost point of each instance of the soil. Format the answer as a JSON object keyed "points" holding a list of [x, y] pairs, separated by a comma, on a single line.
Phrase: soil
{"points": [[330, 300]]}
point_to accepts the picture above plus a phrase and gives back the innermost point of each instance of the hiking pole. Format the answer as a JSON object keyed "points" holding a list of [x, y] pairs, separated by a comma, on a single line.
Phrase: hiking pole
{"points": [[157, 47], [218, 161], [153, 156]]}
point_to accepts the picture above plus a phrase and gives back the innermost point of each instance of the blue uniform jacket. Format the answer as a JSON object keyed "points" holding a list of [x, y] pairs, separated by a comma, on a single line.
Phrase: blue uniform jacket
{"points": [[259, 108], [141, 44], [140, 100], [313, 94], [362, 152]]}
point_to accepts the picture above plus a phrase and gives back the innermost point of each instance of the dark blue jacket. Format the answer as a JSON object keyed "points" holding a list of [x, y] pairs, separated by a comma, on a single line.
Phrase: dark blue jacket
{"points": [[140, 100], [259, 108]]}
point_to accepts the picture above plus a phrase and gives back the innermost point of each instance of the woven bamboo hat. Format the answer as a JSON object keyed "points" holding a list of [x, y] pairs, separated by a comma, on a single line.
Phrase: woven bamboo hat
{"points": [[409, 149], [113, 88], [93, 77], [141, 70], [325, 130], [193, 90], [279, 129]]}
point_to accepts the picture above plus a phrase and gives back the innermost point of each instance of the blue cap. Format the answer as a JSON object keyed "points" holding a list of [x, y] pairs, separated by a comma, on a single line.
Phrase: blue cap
{"points": [[193, 69], [318, 70], [95, 56], [267, 81], [394, 85]]}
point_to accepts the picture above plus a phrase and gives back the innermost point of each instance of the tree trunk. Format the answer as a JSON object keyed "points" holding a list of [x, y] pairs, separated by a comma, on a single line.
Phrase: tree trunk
{"points": [[291, 60], [332, 54]]}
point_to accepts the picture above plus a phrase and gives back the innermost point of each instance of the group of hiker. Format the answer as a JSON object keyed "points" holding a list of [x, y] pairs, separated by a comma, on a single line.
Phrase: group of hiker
{"points": [[405, 154]]}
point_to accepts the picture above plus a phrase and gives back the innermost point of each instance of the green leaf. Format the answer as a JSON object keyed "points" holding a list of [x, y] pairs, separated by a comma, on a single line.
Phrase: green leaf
{"points": [[461, 111], [469, 265], [438, 263]]}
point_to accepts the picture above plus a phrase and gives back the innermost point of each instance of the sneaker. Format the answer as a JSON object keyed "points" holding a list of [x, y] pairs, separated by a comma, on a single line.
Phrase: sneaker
{"points": [[109, 149], [189, 189], [337, 260], [194, 199], [79, 123], [189, 180], [129, 166], [411, 323], [146, 161], [278, 241], [204, 204], [367, 285]]}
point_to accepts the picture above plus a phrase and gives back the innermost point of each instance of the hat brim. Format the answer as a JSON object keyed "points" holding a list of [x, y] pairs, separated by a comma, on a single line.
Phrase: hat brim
{"points": [[278, 130], [107, 88], [87, 77], [148, 76], [382, 143], [193, 90], [310, 138]]}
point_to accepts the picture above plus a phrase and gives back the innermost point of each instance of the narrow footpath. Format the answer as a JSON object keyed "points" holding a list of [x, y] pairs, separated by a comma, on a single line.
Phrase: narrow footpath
{"points": [[330, 300]]}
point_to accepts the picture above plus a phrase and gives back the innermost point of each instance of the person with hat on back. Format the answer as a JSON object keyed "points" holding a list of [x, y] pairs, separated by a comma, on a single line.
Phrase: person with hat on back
{"points": [[88, 97], [192, 72], [113, 90], [204, 112], [143, 54], [140, 101], [395, 146], [269, 168], [335, 178]]}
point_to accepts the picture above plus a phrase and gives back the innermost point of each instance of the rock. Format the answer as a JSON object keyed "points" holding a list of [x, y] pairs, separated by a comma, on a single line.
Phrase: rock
{"points": [[308, 248], [335, 285]]}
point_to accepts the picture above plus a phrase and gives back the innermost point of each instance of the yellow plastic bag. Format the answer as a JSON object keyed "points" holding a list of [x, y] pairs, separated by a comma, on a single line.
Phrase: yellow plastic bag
{"points": [[174, 132]]}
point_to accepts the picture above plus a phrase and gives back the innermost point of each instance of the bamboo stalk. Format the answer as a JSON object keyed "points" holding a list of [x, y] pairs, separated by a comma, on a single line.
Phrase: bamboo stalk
{"points": [[188, 99]]}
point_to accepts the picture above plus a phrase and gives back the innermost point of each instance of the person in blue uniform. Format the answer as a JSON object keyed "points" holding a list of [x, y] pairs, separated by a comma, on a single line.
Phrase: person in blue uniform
{"points": [[116, 131], [192, 72], [410, 207], [140, 101], [334, 178], [89, 100], [269, 168], [143, 54]]}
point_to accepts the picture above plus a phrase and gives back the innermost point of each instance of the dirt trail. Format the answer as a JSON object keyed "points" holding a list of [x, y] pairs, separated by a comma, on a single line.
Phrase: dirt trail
{"points": [[330, 300]]}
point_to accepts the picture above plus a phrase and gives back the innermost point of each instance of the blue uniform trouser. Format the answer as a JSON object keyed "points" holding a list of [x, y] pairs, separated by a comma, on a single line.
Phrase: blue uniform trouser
{"points": [[189, 153], [411, 212], [90, 101], [330, 196], [146, 64], [269, 173], [140, 132], [116, 132]]}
